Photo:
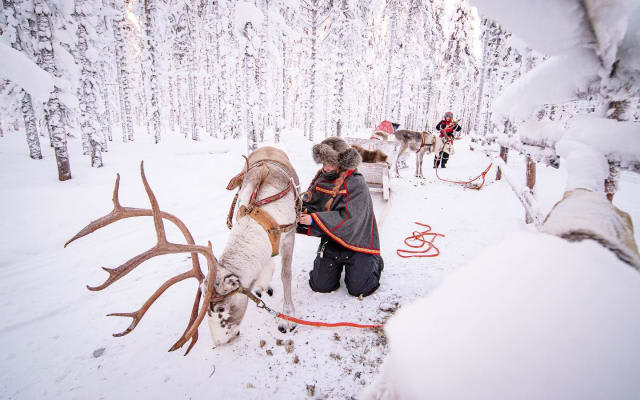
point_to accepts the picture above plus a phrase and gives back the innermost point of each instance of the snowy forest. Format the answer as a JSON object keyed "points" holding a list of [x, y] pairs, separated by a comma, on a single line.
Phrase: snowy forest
{"points": [[547, 94]]}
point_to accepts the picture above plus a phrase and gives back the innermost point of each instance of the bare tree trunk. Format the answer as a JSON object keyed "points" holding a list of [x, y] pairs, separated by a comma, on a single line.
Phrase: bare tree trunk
{"points": [[54, 111], [531, 183], [392, 38], [611, 183], [123, 74], [152, 48], [107, 115], [172, 104], [192, 99], [30, 127], [314, 57], [88, 91], [504, 153]]}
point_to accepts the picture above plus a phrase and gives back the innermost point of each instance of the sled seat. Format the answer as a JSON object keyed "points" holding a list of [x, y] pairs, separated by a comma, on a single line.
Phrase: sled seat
{"points": [[377, 174]]}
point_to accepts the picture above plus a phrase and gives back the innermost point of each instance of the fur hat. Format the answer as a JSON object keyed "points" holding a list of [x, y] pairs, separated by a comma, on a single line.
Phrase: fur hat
{"points": [[335, 151]]}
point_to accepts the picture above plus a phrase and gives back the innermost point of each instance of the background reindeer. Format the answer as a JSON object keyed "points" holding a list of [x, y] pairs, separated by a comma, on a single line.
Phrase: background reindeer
{"points": [[420, 142], [264, 227]]}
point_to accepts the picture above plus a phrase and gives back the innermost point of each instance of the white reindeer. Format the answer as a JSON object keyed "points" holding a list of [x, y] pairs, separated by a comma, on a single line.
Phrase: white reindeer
{"points": [[265, 226], [247, 260]]}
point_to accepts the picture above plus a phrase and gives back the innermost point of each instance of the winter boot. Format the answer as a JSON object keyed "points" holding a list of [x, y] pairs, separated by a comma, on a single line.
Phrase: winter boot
{"points": [[445, 159], [436, 161]]}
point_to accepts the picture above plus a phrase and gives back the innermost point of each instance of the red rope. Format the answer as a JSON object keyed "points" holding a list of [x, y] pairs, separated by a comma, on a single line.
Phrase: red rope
{"points": [[313, 323], [482, 175], [419, 237]]}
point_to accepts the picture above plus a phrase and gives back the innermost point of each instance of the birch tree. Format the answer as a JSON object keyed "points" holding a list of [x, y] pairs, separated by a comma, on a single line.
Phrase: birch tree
{"points": [[55, 113]]}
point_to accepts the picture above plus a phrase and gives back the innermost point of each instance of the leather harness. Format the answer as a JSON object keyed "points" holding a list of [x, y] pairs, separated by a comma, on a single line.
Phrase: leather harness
{"points": [[254, 211], [423, 136]]}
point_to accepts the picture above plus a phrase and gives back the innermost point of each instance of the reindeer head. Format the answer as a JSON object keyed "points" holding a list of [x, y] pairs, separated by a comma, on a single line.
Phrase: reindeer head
{"points": [[224, 315]]}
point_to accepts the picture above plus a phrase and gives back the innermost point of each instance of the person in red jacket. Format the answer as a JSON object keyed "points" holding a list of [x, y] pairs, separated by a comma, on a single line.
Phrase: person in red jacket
{"points": [[444, 146]]}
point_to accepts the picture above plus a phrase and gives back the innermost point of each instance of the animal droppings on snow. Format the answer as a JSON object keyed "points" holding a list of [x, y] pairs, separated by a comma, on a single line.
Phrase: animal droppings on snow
{"points": [[289, 347], [269, 353], [311, 390], [296, 359], [336, 337], [262, 343], [98, 352], [390, 307], [250, 386]]}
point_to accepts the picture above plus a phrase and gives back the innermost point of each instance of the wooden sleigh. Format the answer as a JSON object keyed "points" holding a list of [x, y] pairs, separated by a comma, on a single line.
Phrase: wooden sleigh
{"points": [[377, 174]]}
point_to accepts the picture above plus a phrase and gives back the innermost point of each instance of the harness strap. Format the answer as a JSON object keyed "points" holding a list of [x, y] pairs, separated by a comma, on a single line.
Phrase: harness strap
{"points": [[335, 190], [231, 209], [424, 141], [268, 223]]}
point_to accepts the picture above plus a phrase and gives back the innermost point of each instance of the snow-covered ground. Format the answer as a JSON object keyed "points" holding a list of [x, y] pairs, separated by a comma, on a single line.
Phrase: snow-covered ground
{"points": [[56, 337]]}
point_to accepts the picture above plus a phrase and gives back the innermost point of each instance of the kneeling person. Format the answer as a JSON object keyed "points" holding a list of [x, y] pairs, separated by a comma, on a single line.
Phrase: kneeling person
{"points": [[338, 209]]}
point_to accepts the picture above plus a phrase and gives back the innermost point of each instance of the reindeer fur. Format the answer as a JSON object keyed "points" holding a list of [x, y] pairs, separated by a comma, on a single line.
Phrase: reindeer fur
{"points": [[246, 259]]}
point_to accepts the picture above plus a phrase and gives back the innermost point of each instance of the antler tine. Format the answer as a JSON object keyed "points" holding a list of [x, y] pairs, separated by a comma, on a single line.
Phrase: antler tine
{"points": [[138, 314], [162, 247], [157, 219], [194, 323], [104, 221], [124, 269]]}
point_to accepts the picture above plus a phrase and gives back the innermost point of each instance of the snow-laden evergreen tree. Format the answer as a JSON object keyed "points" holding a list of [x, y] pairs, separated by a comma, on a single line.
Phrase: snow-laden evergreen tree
{"points": [[151, 65], [89, 91], [120, 25], [15, 26], [56, 114]]}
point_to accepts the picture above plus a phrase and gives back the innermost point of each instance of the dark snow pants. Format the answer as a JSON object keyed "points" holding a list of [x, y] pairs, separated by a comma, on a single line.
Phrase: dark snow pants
{"points": [[362, 271], [442, 155]]}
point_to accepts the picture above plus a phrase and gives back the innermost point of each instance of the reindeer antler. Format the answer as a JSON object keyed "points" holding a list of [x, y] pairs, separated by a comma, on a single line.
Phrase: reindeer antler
{"points": [[162, 247]]}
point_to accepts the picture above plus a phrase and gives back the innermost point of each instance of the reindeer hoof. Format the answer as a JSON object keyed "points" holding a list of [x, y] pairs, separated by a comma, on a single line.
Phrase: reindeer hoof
{"points": [[270, 291], [282, 329], [258, 293], [292, 328]]}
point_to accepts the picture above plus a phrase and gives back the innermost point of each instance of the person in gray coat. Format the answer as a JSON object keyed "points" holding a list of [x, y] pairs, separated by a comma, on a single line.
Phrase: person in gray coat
{"points": [[338, 208]]}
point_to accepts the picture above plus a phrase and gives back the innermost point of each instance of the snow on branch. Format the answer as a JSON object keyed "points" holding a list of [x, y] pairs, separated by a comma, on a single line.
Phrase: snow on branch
{"points": [[619, 141], [556, 80], [19, 69]]}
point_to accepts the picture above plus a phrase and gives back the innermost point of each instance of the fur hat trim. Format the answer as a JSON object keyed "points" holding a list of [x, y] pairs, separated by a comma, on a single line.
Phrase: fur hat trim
{"points": [[335, 151]]}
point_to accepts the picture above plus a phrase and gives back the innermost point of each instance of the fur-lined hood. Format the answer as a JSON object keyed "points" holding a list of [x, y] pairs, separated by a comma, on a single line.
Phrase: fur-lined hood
{"points": [[335, 151]]}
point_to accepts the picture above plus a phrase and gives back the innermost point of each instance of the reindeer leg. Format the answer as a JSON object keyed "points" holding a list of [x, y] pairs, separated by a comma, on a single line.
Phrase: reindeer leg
{"points": [[419, 158], [264, 280], [286, 252], [395, 172]]}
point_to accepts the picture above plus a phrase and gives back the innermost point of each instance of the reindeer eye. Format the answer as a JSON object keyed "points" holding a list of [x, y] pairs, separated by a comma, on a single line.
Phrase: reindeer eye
{"points": [[220, 309]]}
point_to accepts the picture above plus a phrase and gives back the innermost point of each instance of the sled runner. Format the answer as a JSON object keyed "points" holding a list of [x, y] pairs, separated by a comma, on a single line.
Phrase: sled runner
{"points": [[377, 174]]}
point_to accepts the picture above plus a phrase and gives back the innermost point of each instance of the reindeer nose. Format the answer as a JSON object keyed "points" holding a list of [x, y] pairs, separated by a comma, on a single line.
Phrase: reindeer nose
{"points": [[232, 281]]}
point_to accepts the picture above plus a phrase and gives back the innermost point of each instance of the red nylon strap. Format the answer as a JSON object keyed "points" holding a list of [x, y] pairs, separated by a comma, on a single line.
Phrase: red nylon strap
{"points": [[313, 323], [419, 237], [482, 175], [275, 197]]}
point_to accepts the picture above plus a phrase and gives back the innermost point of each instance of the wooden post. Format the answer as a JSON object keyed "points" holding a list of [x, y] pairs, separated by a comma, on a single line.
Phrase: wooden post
{"points": [[504, 152], [531, 183], [339, 128], [611, 183]]}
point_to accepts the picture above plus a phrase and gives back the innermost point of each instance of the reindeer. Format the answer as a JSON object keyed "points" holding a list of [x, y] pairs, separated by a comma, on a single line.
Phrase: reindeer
{"points": [[246, 263], [420, 142]]}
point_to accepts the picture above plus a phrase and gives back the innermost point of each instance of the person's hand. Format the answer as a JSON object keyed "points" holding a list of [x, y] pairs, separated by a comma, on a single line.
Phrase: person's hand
{"points": [[305, 219]]}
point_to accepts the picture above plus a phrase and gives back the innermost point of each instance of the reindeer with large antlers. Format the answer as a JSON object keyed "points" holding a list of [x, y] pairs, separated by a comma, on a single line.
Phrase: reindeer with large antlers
{"points": [[263, 228]]}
